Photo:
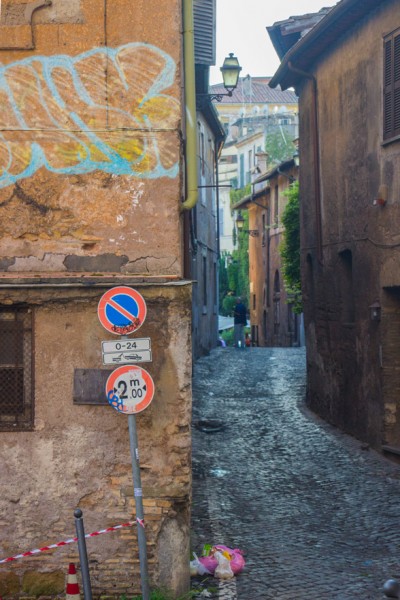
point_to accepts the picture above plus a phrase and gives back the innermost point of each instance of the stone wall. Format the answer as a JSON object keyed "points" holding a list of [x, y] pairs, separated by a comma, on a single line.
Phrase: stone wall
{"points": [[90, 188], [78, 455], [345, 348]]}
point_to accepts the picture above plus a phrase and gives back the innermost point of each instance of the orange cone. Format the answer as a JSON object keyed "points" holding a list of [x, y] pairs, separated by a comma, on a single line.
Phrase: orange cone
{"points": [[72, 591]]}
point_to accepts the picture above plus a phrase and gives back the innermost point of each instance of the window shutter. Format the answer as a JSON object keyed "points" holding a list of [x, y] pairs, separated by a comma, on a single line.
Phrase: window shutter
{"points": [[391, 92], [204, 13], [396, 59]]}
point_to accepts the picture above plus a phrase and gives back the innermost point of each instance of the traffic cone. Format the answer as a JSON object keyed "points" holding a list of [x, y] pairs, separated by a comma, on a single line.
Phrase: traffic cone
{"points": [[72, 591]]}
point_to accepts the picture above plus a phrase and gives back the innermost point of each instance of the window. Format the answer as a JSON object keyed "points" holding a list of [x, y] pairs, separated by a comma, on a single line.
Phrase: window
{"points": [[310, 284], [205, 298], [276, 205], [391, 91], [202, 153], [221, 222], [346, 286], [264, 231], [215, 287], [16, 372], [241, 171], [277, 300]]}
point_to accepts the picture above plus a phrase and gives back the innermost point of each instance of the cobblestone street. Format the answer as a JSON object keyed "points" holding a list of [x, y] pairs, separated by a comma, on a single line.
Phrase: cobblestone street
{"points": [[316, 513]]}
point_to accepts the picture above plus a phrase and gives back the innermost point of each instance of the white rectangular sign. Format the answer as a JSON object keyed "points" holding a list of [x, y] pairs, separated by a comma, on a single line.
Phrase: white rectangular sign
{"points": [[126, 357], [126, 345]]}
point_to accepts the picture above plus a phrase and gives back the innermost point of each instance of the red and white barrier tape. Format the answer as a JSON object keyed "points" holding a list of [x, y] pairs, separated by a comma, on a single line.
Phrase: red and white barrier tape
{"points": [[66, 542]]}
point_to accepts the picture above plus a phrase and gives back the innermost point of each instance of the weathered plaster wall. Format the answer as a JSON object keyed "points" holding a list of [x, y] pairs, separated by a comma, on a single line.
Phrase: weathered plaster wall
{"points": [[90, 185], [90, 137], [78, 455], [344, 347]]}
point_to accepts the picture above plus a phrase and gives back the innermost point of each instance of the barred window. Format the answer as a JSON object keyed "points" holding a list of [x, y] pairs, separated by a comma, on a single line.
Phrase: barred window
{"points": [[391, 90], [16, 370]]}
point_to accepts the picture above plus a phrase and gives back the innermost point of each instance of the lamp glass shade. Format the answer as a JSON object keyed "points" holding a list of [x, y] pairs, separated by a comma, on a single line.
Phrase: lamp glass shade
{"points": [[230, 72], [239, 221]]}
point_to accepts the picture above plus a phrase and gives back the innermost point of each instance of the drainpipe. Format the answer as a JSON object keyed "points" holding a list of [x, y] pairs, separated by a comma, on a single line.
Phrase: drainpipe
{"points": [[317, 167], [190, 102]]}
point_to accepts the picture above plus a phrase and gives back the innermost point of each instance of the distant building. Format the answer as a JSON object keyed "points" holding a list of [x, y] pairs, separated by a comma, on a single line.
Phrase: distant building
{"points": [[248, 116], [272, 320], [227, 180], [256, 103]]}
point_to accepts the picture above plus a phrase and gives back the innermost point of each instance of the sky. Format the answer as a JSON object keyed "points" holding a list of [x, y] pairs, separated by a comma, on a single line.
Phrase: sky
{"points": [[241, 29]]}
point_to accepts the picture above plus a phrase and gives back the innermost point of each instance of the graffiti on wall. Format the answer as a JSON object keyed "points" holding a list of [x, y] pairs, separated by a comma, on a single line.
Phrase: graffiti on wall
{"points": [[102, 110]]}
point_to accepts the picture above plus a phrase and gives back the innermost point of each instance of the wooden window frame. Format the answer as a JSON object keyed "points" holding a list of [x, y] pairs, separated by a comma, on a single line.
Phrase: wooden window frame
{"points": [[16, 369], [391, 85]]}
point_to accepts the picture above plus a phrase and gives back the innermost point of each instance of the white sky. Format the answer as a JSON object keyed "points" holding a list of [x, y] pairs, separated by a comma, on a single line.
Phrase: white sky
{"points": [[241, 29]]}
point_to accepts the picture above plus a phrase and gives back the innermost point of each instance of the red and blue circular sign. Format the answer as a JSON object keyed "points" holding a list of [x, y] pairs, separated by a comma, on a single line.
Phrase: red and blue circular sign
{"points": [[130, 389], [122, 310]]}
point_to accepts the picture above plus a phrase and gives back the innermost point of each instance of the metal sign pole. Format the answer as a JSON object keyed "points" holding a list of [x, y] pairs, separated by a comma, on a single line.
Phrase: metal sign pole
{"points": [[137, 488], [129, 389]]}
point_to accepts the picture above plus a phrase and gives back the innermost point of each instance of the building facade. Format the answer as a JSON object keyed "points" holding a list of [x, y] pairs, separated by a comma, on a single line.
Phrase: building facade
{"points": [[204, 238], [349, 186], [253, 112], [95, 192], [227, 180], [272, 320], [202, 223]]}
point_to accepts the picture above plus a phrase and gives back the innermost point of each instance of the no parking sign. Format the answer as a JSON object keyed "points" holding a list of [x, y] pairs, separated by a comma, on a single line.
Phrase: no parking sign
{"points": [[122, 310]]}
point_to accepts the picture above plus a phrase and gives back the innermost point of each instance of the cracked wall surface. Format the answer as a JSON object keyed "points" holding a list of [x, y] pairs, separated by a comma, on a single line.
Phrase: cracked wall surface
{"points": [[78, 455], [90, 189], [90, 139]]}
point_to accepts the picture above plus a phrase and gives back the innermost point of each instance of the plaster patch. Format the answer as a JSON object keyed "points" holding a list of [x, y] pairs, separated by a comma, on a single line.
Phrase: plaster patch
{"points": [[13, 15], [61, 11], [104, 263], [50, 262]]}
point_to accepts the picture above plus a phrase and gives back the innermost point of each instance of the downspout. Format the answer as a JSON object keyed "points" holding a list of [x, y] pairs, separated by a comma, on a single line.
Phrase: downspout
{"points": [[217, 200], [317, 166], [190, 104]]}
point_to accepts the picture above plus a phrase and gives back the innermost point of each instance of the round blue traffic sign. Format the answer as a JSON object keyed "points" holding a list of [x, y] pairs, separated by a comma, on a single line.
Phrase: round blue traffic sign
{"points": [[122, 310]]}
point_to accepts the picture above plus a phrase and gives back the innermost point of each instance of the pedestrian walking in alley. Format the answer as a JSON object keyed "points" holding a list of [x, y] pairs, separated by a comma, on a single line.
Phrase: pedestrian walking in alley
{"points": [[239, 320]]}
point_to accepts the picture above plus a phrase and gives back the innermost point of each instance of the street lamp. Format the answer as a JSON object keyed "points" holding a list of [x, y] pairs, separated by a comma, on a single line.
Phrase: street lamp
{"points": [[230, 77], [240, 224], [230, 73]]}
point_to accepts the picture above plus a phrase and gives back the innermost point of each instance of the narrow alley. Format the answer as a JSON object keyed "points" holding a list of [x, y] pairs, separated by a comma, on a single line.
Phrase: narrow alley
{"points": [[315, 511]]}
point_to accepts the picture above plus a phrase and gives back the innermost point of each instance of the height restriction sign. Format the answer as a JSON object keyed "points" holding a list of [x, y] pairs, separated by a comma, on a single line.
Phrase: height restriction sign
{"points": [[130, 389], [122, 310]]}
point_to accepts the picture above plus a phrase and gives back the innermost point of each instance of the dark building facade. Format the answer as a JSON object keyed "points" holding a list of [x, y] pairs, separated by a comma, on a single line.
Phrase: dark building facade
{"points": [[346, 71]]}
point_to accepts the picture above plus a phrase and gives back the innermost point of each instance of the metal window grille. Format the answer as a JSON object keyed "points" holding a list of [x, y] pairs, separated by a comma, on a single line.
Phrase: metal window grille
{"points": [[16, 371]]}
